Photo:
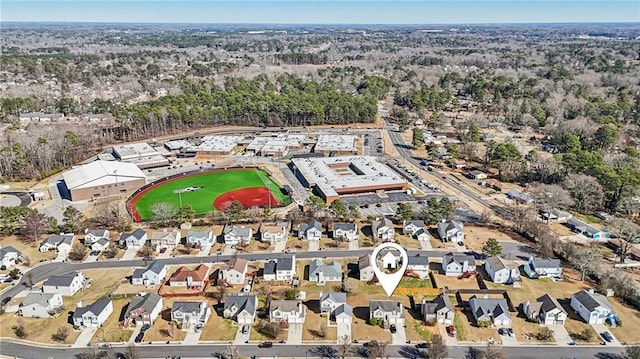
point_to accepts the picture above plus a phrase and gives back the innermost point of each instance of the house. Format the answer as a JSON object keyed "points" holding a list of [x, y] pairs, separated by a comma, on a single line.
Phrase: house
{"points": [[415, 228], [365, 268], [586, 229], [154, 274], [100, 245], [62, 243], [388, 311], [287, 311], [593, 308], [234, 271], [382, 229], [543, 267], [143, 309], [234, 236], [501, 271], [165, 239], [187, 314], [9, 256], [345, 231], [451, 231], [66, 284], [390, 258], [491, 310], [440, 309], [321, 273], [335, 305], [418, 265], [192, 278], [275, 234], [200, 239], [282, 268], [41, 305], [241, 308], [310, 231], [476, 175], [518, 196], [546, 310], [94, 315], [91, 236], [135, 239], [555, 215], [455, 264]]}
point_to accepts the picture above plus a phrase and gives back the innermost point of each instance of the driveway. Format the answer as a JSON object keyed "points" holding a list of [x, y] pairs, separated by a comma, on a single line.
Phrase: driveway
{"points": [[353, 245], [400, 336], [192, 338], [449, 341], [136, 331], [203, 252], [560, 334], [129, 254], [425, 245], [229, 251], [85, 337], [601, 328], [91, 258], [294, 335], [242, 338], [509, 341], [314, 246], [166, 254], [279, 247], [344, 332]]}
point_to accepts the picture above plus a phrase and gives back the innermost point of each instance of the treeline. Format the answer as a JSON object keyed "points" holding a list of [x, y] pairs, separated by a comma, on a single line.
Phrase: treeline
{"points": [[298, 58], [425, 98]]}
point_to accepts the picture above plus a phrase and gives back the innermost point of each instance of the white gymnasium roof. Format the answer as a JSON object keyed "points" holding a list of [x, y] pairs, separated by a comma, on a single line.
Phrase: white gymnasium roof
{"points": [[217, 144], [101, 173], [364, 171]]}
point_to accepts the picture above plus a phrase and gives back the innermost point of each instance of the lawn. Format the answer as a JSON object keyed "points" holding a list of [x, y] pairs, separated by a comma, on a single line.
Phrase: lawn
{"points": [[112, 330], [40, 329], [213, 184], [29, 250], [466, 329], [256, 336], [442, 281], [630, 320], [408, 282], [218, 328], [311, 328], [160, 330]]}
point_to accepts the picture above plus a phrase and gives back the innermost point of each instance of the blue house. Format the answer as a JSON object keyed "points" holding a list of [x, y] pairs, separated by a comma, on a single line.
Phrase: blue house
{"points": [[586, 229]]}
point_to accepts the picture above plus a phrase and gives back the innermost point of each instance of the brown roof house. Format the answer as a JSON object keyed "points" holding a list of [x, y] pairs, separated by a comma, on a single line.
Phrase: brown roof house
{"points": [[234, 271], [185, 277]]}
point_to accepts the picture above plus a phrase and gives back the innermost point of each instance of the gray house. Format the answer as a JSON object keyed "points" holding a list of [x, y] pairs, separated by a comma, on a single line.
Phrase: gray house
{"points": [[365, 268], [154, 274], [310, 231], [440, 310], [389, 311], [451, 231], [495, 311], [241, 308], [94, 315], [200, 239], [187, 314], [455, 264], [135, 239], [345, 231], [321, 273]]}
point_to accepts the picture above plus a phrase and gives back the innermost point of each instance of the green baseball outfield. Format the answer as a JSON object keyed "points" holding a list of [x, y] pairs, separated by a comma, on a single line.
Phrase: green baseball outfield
{"points": [[206, 191]]}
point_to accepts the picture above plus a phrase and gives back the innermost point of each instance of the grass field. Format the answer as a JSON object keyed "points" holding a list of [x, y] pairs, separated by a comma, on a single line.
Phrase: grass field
{"points": [[213, 185]]}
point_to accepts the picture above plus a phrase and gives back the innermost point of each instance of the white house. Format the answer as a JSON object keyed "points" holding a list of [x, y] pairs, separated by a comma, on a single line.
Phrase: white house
{"points": [[345, 231], [440, 309], [501, 271], [165, 239], [234, 236], [418, 265], [274, 234], [451, 231], [187, 314], [593, 307], [389, 311], [9, 256], [383, 229], [241, 308], [62, 243], [66, 284], [154, 274], [41, 305], [143, 309], [91, 236], [335, 305], [310, 231], [493, 310], [235, 271], [390, 258], [200, 239], [543, 267], [288, 311], [546, 310], [321, 273], [135, 239], [365, 268], [94, 315], [282, 268], [455, 264], [412, 226], [100, 245]]}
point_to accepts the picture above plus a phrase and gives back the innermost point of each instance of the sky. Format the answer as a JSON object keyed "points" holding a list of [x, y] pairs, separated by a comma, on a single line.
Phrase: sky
{"points": [[321, 11]]}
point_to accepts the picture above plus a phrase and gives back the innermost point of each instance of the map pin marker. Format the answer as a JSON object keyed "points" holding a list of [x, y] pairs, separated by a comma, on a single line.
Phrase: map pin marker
{"points": [[390, 281]]}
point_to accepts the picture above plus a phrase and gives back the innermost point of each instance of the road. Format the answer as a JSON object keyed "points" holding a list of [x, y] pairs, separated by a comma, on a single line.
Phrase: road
{"points": [[44, 271], [405, 152], [311, 351]]}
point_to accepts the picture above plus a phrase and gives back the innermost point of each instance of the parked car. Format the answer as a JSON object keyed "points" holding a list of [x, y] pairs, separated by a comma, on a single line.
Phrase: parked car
{"points": [[606, 336], [451, 331], [245, 329], [422, 345], [148, 258], [393, 328], [265, 345], [510, 332], [162, 250]]}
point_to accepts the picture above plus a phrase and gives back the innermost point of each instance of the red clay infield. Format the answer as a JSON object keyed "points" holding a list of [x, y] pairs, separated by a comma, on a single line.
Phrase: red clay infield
{"points": [[249, 197]]}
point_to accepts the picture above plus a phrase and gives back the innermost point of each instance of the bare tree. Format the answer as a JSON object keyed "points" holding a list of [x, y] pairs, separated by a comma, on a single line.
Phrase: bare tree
{"points": [[437, 348], [18, 329], [632, 352], [630, 207], [110, 215], [585, 190], [584, 259], [78, 252], [322, 330], [232, 352], [520, 215], [493, 352], [172, 329], [163, 212], [377, 349], [551, 197], [132, 352], [344, 348], [61, 334], [35, 225], [627, 233]]}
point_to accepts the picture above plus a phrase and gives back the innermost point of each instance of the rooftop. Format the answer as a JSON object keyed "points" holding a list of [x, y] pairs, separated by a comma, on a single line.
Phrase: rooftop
{"points": [[336, 143], [134, 150], [217, 144], [100, 173]]}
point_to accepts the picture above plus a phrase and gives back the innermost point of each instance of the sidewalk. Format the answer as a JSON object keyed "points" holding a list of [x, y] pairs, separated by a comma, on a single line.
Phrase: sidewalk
{"points": [[85, 337]]}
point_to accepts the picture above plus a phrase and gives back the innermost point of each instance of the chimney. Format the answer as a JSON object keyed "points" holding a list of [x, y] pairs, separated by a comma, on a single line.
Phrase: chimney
{"points": [[79, 304], [590, 290], [485, 296]]}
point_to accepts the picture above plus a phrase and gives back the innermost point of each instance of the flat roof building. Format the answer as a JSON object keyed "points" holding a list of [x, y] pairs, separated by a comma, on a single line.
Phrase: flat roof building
{"points": [[278, 145], [331, 177], [217, 145], [141, 154], [99, 179], [336, 144]]}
